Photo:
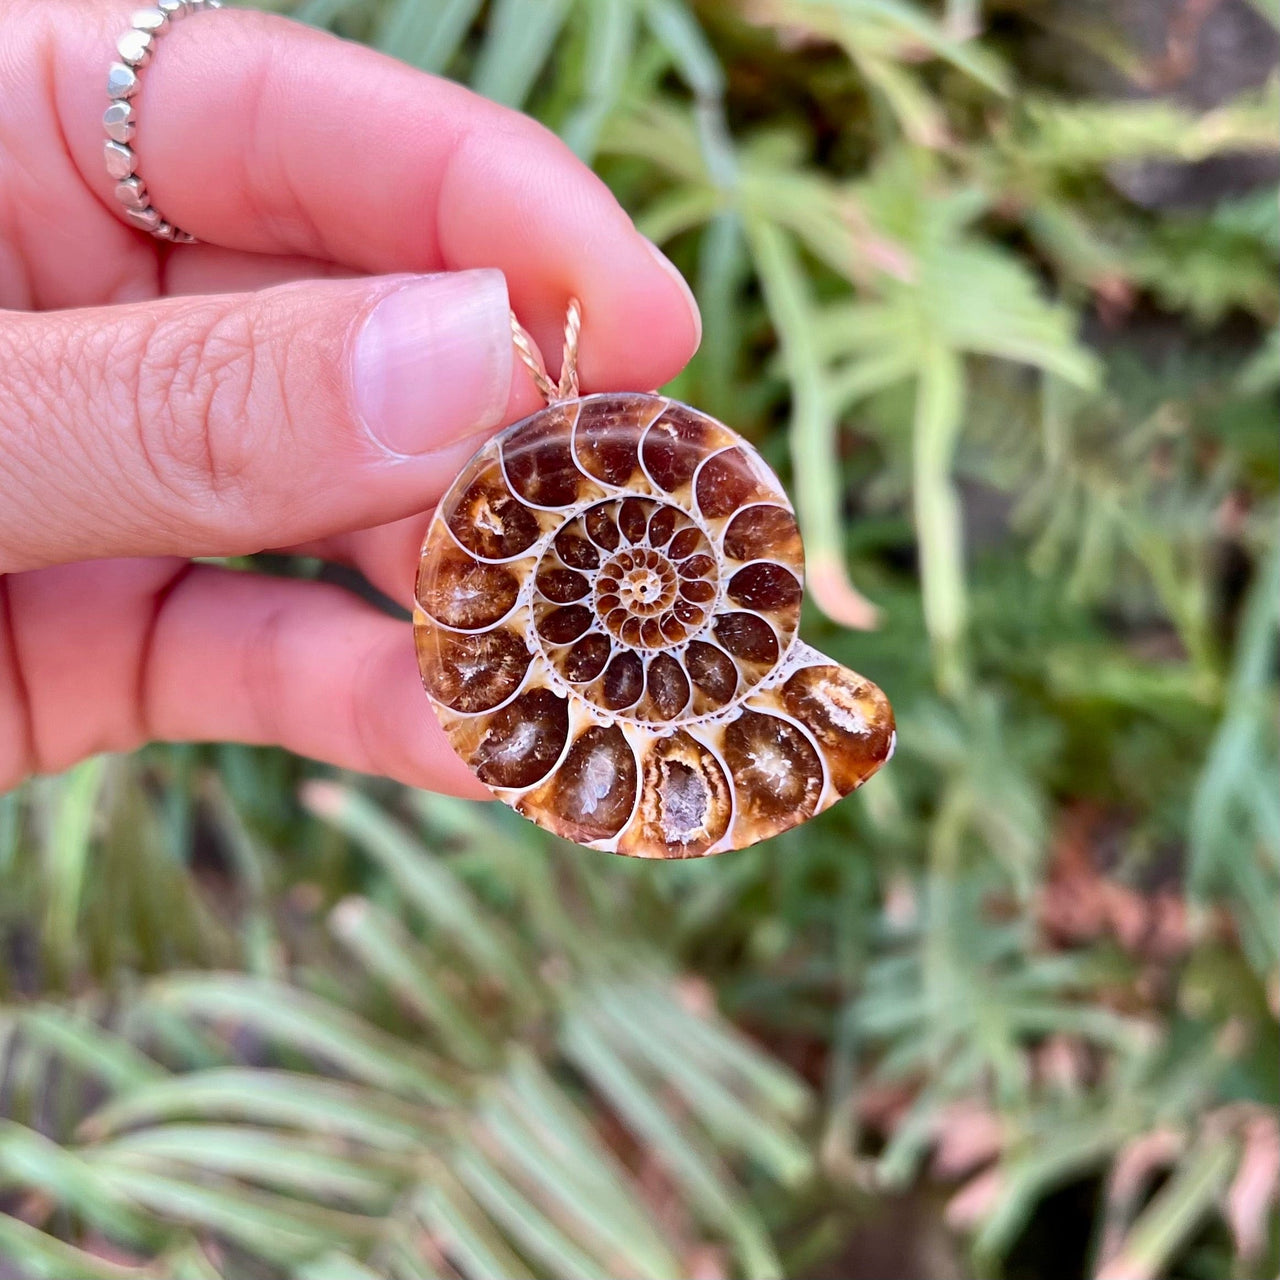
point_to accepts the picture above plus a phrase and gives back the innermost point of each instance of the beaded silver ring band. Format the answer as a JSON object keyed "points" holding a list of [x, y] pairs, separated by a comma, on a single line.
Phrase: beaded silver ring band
{"points": [[135, 48]]}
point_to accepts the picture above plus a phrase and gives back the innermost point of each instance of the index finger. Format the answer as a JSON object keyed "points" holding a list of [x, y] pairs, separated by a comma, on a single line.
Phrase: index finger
{"points": [[260, 134]]}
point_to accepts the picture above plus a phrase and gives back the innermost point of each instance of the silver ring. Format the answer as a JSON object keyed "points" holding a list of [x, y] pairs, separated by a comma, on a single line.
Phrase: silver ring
{"points": [[135, 48]]}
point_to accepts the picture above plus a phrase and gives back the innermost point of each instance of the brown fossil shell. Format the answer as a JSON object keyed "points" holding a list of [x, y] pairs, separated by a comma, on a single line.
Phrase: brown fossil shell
{"points": [[606, 624]]}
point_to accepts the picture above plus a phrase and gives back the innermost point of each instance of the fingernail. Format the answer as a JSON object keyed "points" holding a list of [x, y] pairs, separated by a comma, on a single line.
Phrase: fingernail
{"points": [[674, 272], [433, 361]]}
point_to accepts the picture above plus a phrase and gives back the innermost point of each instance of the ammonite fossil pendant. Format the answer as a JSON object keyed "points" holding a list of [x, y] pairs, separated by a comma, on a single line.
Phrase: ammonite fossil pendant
{"points": [[607, 611]]}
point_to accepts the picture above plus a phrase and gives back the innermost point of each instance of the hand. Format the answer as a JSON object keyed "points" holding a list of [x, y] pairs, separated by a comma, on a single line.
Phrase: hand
{"points": [[302, 379]]}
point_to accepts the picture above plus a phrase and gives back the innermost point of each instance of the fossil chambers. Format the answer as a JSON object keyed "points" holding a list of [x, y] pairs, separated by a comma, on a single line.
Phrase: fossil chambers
{"points": [[606, 622]]}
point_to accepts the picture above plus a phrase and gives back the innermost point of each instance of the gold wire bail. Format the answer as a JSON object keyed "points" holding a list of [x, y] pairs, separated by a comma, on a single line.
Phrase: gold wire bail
{"points": [[567, 388]]}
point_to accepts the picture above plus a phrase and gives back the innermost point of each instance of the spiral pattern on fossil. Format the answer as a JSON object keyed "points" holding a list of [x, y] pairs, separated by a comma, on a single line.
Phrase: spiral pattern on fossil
{"points": [[606, 623]]}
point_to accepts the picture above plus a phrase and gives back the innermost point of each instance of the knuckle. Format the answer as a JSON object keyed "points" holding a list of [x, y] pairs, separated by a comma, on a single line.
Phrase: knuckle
{"points": [[207, 379]]}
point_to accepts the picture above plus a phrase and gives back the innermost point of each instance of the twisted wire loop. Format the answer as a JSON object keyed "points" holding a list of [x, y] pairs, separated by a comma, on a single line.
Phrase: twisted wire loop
{"points": [[569, 358], [526, 348], [134, 50]]}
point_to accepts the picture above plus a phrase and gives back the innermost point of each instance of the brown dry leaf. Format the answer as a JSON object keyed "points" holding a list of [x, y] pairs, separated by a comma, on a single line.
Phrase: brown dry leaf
{"points": [[974, 1202], [1123, 1269], [901, 903], [1126, 914], [876, 250], [1062, 1062], [837, 597], [34, 1208], [1178, 60], [663, 1200], [881, 1106], [968, 1135], [696, 996], [706, 1262], [1080, 904], [1140, 1159], [429, 1250], [1114, 297], [100, 1247], [1255, 1186], [1130, 1174]]}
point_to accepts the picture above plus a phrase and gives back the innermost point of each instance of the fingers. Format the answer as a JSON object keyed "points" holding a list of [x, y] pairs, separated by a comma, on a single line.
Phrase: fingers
{"points": [[115, 654], [386, 555], [260, 134], [222, 425], [209, 268]]}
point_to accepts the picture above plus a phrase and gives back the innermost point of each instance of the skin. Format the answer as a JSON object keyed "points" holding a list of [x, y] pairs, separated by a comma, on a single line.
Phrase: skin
{"points": [[159, 402]]}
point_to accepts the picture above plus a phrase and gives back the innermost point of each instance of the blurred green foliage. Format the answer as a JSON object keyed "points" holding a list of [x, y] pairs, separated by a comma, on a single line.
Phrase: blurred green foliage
{"points": [[258, 1021]]}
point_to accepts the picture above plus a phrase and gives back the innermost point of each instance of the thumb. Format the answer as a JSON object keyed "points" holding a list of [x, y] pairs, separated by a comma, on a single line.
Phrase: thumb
{"points": [[222, 425]]}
